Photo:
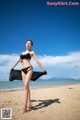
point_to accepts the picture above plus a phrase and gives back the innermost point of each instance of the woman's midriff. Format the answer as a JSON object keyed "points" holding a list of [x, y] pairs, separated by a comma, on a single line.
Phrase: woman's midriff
{"points": [[26, 63]]}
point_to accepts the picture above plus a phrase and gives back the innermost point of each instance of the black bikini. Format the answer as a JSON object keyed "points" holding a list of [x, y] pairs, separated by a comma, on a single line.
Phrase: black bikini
{"points": [[16, 74], [26, 56], [26, 70]]}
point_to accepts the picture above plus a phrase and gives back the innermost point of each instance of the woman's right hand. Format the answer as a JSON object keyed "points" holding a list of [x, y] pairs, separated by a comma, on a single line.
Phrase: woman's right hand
{"points": [[12, 68]]}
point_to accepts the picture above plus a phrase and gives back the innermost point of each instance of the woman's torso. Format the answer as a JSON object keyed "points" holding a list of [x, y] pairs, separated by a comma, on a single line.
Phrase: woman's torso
{"points": [[25, 59]]}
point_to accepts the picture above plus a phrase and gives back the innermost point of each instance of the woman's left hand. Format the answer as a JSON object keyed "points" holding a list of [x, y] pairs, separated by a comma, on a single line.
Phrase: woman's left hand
{"points": [[44, 70]]}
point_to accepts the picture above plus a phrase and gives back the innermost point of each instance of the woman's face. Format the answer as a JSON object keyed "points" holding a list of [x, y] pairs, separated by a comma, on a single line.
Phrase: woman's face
{"points": [[28, 44]]}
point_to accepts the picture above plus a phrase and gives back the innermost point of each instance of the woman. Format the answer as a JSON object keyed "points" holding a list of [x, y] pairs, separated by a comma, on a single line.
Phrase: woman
{"points": [[27, 71]]}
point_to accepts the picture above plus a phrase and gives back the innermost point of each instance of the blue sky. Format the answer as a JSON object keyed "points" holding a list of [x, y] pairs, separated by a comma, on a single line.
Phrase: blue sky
{"points": [[54, 30]]}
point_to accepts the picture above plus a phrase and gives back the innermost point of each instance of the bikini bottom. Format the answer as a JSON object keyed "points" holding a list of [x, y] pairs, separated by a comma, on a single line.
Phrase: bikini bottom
{"points": [[26, 70]]}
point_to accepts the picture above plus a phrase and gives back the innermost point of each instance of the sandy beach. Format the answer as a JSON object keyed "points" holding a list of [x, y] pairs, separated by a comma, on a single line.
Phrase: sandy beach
{"points": [[52, 103]]}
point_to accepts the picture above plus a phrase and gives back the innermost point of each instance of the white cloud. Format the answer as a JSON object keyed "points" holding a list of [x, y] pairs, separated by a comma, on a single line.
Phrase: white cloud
{"points": [[7, 62], [71, 60]]}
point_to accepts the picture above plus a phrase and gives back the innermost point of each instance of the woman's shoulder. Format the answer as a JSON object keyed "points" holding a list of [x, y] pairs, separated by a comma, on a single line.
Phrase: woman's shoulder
{"points": [[32, 52]]}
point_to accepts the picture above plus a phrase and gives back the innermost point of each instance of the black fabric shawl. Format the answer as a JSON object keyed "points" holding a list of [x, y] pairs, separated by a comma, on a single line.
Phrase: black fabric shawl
{"points": [[16, 75]]}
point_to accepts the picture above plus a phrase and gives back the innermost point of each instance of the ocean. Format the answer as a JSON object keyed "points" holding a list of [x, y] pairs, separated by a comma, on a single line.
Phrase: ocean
{"points": [[16, 84]]}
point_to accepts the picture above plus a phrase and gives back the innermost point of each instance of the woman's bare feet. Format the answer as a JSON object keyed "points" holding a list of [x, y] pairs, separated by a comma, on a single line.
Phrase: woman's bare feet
{"points": [[29, 105], [24, 110]]}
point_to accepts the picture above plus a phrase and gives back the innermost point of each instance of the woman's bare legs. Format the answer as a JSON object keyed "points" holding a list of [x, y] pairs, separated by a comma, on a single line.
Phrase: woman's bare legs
{"points": [[26, 80], [29, 100]]}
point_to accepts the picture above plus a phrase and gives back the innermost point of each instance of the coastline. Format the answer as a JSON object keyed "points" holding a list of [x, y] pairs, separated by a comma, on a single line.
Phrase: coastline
{"points": [[34, 88], [18, 85], [54, 102]]}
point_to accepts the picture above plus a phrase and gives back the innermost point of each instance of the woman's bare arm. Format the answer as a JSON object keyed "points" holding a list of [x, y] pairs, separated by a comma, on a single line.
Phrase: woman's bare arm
{"points": [[16, 63], [38, 62]]}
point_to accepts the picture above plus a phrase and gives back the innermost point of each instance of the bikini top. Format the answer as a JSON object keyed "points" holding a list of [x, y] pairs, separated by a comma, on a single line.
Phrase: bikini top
{"points": [[26, 56]]}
